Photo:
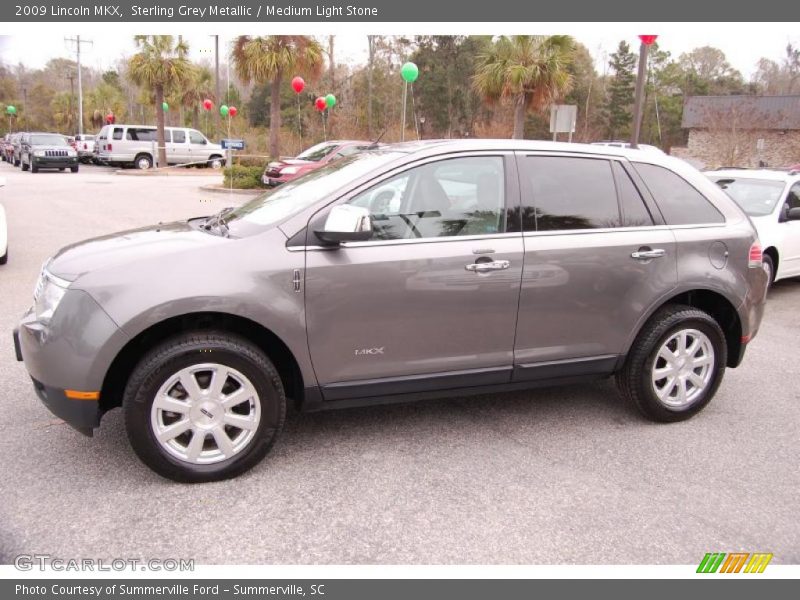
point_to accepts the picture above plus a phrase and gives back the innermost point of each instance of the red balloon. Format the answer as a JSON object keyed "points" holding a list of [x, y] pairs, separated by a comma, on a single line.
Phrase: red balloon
{"points": [[298, 84], [648, 40], [232, 111], [320, 104], [208, 104]]}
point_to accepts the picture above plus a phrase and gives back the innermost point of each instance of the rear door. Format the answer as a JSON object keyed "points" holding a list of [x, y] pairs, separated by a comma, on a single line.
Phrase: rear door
{"points": [[430, 302], [597, 255]]}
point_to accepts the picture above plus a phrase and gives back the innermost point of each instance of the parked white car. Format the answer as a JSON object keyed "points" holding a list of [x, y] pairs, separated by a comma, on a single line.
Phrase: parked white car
{"points": [[3, 230], [772, 200], [121, 145], [84, 146]]}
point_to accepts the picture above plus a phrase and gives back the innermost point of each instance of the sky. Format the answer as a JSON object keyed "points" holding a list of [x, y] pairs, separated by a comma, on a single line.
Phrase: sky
{"points": [[743, 46]]}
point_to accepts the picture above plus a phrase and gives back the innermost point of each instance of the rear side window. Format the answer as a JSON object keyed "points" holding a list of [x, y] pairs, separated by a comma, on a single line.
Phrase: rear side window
{"points": [[140, 134], [633, 210], [680, 203], [179, 136], [568, 193], [117, 135]]}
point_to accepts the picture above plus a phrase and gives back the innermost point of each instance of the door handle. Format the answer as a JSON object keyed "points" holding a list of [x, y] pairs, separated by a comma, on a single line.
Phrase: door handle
{"points": [[483, 267], [648, 254]]}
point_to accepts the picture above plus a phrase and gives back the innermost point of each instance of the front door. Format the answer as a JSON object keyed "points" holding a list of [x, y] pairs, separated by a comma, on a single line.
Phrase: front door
{"points": [[790, 237], [430, 302], [596, 258]]}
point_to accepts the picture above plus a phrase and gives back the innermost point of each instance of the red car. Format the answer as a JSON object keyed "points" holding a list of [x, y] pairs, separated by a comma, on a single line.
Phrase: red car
{"points": [[286, 169]]}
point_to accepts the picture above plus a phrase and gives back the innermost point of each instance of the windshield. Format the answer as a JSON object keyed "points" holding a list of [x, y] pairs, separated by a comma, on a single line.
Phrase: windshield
{"points": [[318, 152], [48, 139], [756, 197], [294, 196]]}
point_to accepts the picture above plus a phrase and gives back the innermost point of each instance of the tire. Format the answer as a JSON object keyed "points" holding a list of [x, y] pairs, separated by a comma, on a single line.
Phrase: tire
{"points": [[24, 166], [637, 379], [60, 169], [17, 163], [160, 373], [32, 167], [215, 162], [769, 267], [74, 169], [4, 258], [143, 162]]}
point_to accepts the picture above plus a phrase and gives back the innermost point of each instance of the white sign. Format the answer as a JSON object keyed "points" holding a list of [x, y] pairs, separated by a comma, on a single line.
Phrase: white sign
{"points": [[562, 118]]}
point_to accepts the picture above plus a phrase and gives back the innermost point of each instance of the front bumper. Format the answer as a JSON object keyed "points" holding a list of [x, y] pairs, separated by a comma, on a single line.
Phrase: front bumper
{"points": [[271, 181], [61, 162], [72, 352]]}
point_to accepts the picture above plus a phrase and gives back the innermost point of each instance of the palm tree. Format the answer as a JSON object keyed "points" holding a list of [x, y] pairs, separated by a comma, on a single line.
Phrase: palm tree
{"points": [[160, 66], [201, 86], [529, 70], [272, 59]]}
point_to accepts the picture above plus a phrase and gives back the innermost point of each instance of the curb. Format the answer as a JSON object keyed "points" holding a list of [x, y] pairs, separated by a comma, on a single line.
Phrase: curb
{"points": [[167, 173], [218, 189]]}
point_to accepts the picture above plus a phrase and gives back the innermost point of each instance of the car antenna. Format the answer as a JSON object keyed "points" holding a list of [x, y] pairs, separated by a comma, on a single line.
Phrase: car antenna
{"points": [[374, 144]]}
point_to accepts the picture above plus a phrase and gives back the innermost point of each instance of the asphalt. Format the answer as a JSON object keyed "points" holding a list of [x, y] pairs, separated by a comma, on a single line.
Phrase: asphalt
{"points": [[562, 475]]}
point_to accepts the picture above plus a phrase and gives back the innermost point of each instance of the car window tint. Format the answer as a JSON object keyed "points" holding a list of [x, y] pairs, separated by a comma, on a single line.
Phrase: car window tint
{"points": [[141, 134], [179, 136], [793, 199], [680, 203], [455, 197], [195, 137], [632, 206], [563, 193]]}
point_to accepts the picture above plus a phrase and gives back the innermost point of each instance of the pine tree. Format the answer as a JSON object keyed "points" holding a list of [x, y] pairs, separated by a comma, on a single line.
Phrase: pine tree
{"points": [[621, 89]]}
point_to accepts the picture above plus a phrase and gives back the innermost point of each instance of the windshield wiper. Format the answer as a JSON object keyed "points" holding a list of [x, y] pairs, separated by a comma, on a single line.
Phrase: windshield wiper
{"points": [[218, 221]]}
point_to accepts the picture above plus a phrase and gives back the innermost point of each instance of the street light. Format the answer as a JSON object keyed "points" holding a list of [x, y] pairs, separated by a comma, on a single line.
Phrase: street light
{"points": [[647, 41]]}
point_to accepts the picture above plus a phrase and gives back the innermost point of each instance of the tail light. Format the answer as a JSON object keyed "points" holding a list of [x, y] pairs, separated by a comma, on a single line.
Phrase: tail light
{"points": [[108, 147], [755, 257], [85, 146]]}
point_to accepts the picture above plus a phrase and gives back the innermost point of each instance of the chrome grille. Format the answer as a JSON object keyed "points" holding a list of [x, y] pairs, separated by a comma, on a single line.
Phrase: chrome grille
{"points": [[55, 153]]}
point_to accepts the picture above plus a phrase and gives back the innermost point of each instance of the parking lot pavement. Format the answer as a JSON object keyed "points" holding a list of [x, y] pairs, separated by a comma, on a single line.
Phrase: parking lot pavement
{"points": [[567, 475]]}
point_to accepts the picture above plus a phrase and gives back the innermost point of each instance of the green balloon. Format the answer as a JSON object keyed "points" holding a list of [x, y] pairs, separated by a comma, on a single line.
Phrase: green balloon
{"points": [[164, 106], [330, 100], [410, 72], [10, 109], [223, 110]]}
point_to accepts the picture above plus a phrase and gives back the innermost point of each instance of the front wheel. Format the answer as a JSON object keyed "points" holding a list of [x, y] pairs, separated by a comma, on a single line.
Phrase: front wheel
{"points": [[74, 169], [675, 365], [203, 407], [215, 162], [769, 267], [143, 162], [23, 165]]}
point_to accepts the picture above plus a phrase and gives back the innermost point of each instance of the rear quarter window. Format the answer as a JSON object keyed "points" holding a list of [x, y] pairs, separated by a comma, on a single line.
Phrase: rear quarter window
{"points": [[678, 200]]}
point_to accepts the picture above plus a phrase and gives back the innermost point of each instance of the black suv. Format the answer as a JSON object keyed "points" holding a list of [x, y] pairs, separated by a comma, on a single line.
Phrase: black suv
{"points": [[47, 151]]}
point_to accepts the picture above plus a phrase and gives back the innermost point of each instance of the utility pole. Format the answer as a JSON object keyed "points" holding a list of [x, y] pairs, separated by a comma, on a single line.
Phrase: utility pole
{"points": [[218, 98], [71, 77], [78, 41], [646, 42]]}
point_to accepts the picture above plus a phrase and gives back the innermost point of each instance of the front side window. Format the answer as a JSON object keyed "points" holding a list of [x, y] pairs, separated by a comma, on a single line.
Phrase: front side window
{"points": [[195, 137], [564, 193], [454, 197], [179, 136], [793, 199], [680, 203]]}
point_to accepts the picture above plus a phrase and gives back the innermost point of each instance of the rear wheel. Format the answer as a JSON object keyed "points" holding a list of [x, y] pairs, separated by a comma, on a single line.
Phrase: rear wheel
{"points": [[676, 364], [203, 407]]}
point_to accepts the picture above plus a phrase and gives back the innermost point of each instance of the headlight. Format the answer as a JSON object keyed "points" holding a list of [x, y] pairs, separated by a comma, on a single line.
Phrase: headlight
{"points": [[72, 153], [38, 152], [290, 170], [47, 295]]}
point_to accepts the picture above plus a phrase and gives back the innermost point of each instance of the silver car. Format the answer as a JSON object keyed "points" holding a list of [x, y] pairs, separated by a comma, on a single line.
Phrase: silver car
{"points": [[408, 272]]}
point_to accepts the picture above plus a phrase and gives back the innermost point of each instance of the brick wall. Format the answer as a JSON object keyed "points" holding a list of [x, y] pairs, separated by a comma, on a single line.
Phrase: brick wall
{"points": [[740, 149]]}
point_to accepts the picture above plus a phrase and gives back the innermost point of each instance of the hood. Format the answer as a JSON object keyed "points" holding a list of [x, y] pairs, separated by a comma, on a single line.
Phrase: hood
{"points": [[125, 247]]}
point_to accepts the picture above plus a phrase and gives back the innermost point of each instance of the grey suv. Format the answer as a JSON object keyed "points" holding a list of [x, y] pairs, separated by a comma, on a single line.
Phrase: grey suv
{"points": [[402, 273]]}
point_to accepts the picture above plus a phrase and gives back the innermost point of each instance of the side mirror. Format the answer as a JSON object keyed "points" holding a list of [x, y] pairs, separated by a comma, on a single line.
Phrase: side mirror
{"points": [[793, 214], [346, 223]]}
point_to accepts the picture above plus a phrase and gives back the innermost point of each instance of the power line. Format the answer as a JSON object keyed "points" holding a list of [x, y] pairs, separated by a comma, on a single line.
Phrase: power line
{"points": [[78, 41]]}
